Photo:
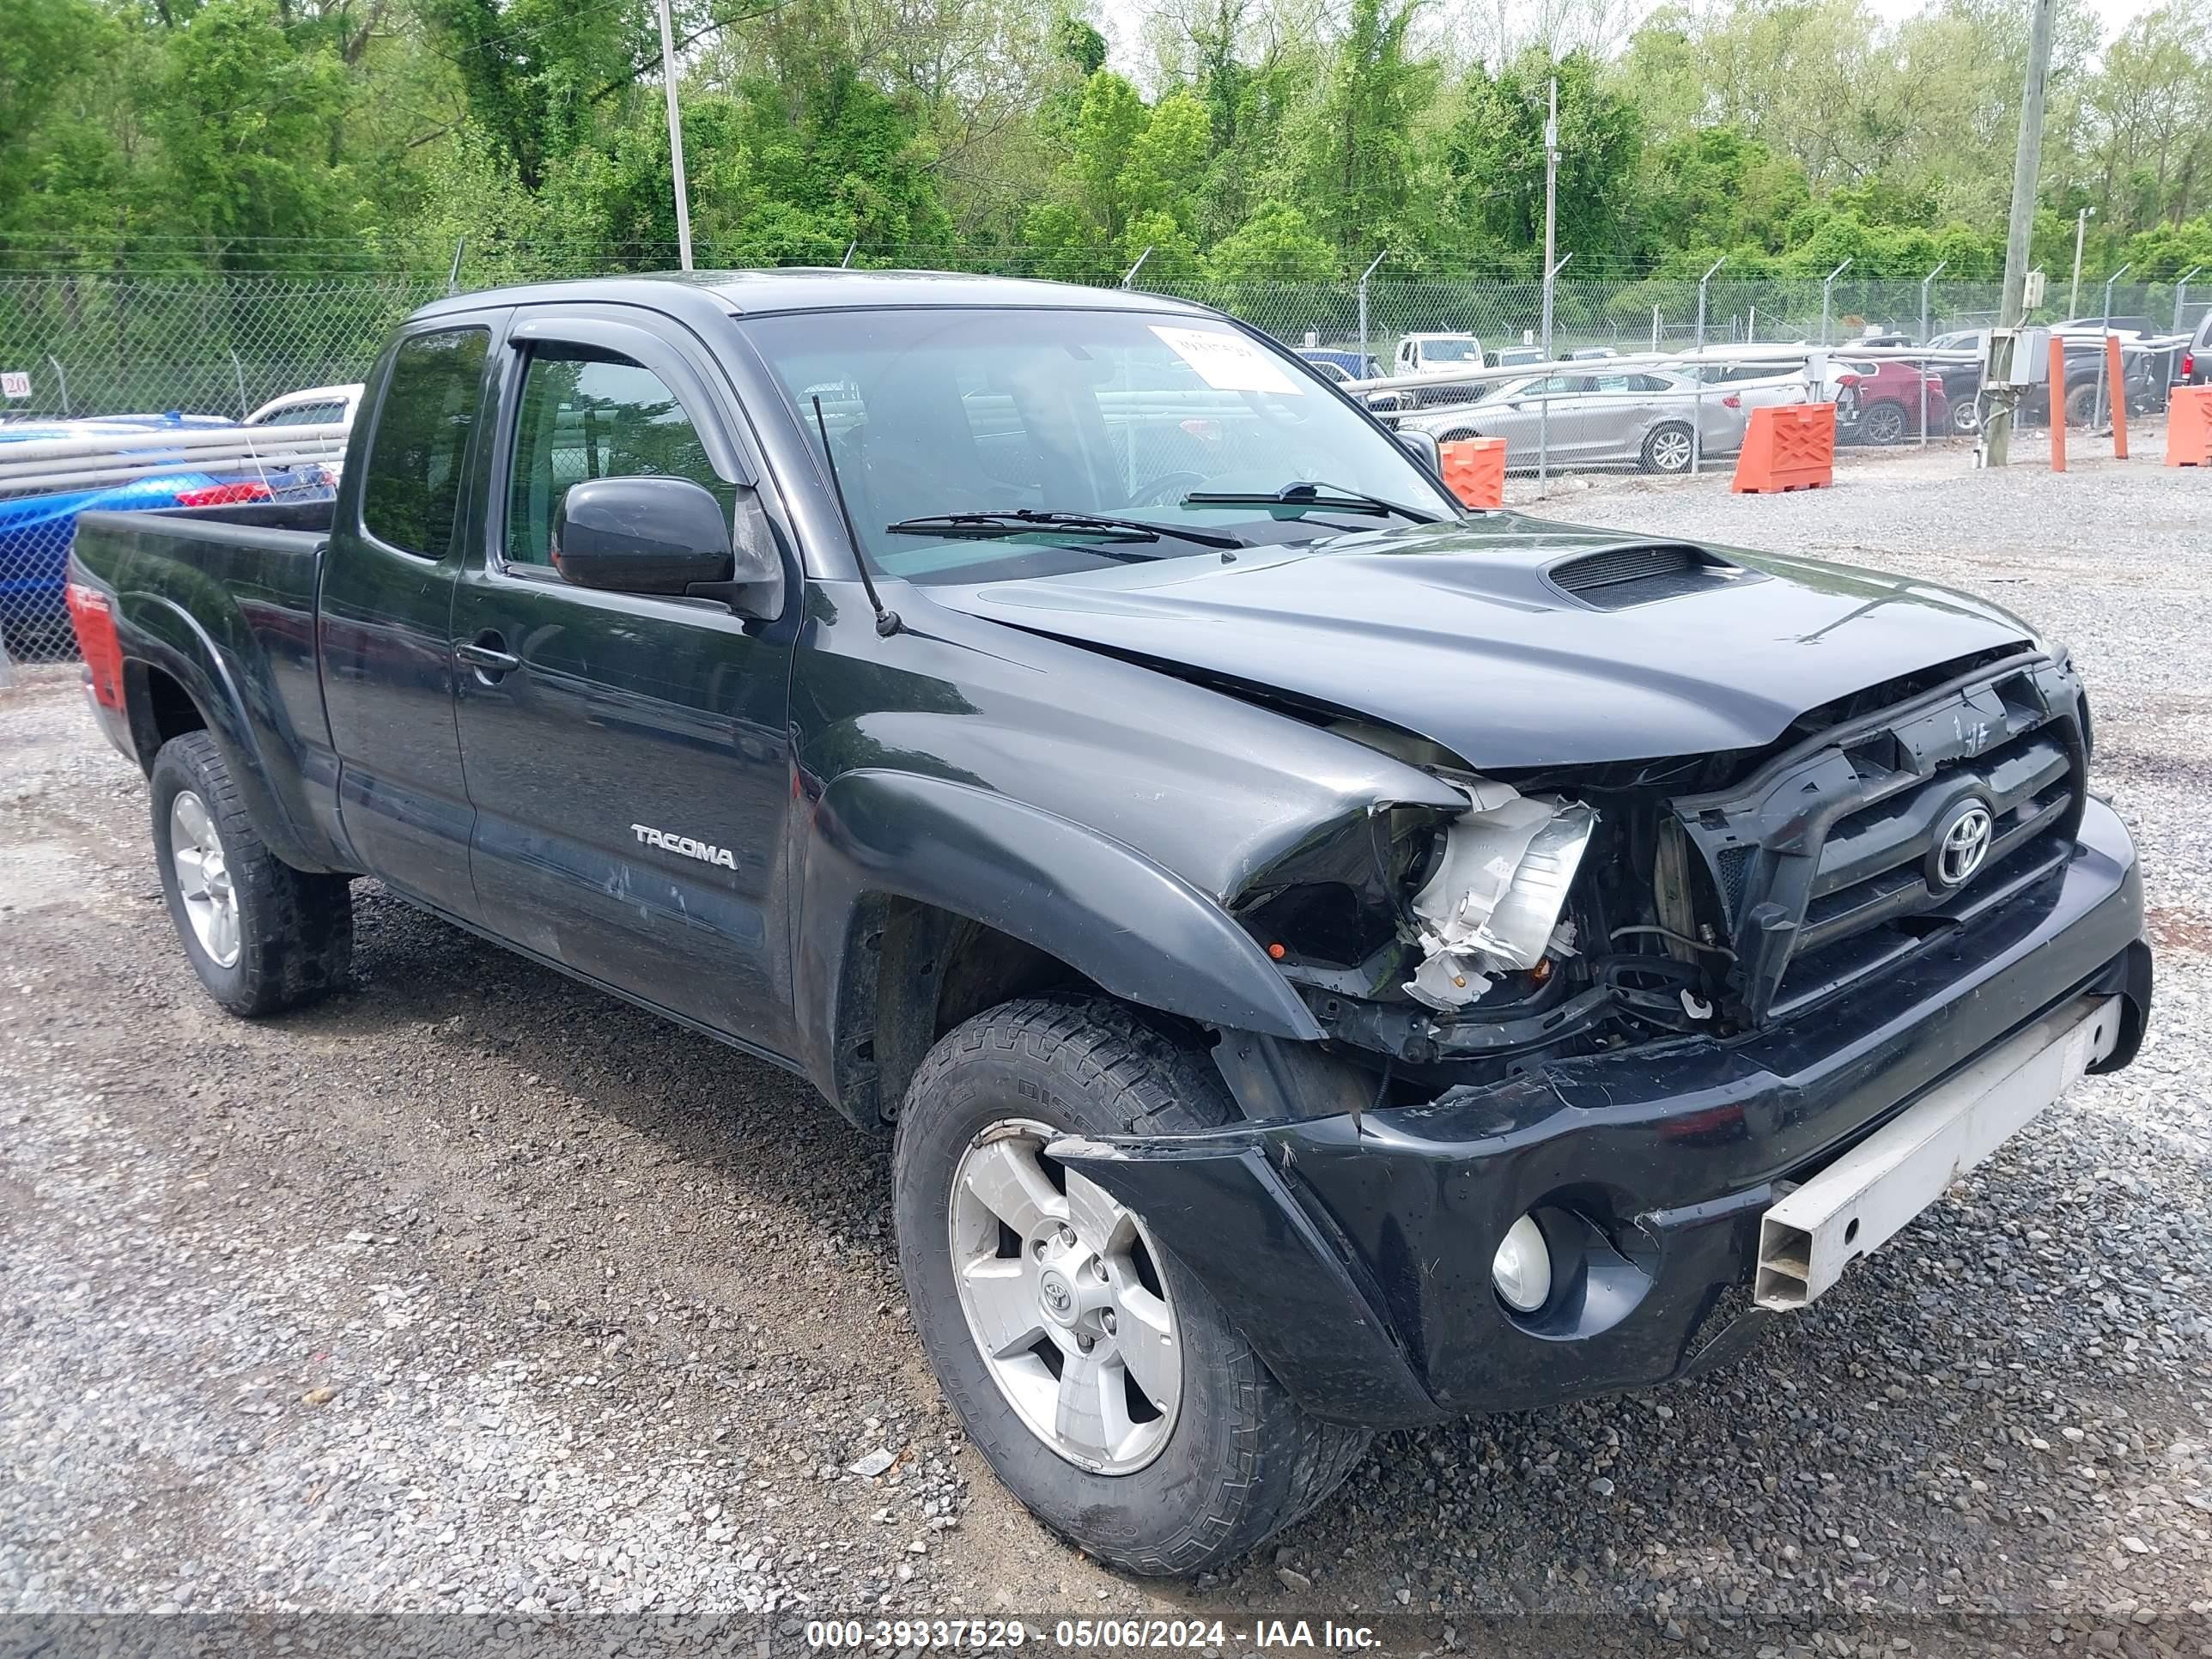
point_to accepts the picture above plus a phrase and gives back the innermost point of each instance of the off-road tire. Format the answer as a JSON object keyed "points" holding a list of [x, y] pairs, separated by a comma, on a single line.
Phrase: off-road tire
{"points": [[2081, 403], [1243, 1460], [296, 930]]}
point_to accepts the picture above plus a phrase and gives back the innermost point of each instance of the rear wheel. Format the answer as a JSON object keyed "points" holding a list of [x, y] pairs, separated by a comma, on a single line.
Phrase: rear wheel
{"points": [[262, 936], [1668, 448], [2081, 403], [1966, 416], [1098, 1378], [1883, 423]]}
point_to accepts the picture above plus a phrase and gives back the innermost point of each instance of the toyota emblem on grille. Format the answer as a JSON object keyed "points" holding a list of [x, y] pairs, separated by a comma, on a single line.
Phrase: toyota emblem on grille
{"points": [[1960, 845]]}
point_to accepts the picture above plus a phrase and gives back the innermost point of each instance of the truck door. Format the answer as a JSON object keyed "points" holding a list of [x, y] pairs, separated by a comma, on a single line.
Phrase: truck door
{"points": [[385, 614], [626, 754]]}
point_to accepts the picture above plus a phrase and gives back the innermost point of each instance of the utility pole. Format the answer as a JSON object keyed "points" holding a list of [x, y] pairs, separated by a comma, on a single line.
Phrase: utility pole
{"points": [[1702, 281], [675, 137], [2074, 293], [1375, 265], [1550, 207], [2026, 163]]}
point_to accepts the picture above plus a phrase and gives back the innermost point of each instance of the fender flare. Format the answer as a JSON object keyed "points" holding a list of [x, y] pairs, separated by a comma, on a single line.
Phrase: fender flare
{"points": [[159, 633], [1134, 927]]}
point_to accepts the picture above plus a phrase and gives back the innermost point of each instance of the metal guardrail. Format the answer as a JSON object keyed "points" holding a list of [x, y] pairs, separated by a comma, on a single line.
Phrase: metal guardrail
{"points": [[39, 467], [45, 482]]}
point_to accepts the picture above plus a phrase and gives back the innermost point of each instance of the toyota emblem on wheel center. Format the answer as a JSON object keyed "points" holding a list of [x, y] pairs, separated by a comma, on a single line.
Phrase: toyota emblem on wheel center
{"points": [[1960, 845]]}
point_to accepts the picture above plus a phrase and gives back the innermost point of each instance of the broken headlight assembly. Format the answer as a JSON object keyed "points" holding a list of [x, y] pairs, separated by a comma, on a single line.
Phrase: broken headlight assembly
{"points": [[1495, 900], [1531, 923]]}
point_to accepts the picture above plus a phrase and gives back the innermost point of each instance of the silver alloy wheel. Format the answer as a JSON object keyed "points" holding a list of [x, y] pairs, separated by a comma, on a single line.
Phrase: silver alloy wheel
{"points": [[204, 878], [1670, 449], [1063, 1297]]}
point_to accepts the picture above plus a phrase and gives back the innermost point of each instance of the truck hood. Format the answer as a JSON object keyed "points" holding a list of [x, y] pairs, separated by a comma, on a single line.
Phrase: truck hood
{"points": [[1452, 632]]}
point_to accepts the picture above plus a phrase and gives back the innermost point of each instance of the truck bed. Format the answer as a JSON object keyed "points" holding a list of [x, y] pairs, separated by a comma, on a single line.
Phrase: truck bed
{"points": [[221, 601]]}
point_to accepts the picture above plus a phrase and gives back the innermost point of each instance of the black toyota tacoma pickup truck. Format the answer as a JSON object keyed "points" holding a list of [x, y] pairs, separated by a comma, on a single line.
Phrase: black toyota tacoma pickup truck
{"points": [[1329, 960]]}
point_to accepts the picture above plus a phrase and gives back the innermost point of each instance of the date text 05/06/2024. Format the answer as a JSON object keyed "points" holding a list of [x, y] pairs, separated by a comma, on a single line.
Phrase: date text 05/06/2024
{"points": [[1087, 1635]]}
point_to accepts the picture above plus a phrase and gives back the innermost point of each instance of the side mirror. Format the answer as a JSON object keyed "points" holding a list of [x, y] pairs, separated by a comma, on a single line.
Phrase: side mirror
{"points": [[1422, 447], [663, 535]]}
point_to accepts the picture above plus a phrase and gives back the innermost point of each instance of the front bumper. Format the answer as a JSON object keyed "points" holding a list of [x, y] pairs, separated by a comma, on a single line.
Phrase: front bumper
{"points": [[1356, 1258]]}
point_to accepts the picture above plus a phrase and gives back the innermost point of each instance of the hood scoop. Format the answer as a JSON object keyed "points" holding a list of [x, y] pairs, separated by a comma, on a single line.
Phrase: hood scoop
{"points": [[1642, 573]]}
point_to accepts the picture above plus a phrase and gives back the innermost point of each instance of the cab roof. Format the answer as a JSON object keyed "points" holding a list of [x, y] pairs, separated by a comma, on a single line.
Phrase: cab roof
{"points": [[754, 293]]}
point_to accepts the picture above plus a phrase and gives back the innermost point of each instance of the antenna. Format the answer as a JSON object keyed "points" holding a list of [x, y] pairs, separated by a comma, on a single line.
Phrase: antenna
{"points": [[887, 622]]}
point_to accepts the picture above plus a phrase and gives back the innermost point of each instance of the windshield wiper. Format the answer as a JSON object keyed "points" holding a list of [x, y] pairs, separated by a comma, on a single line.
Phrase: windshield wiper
{"points": [[1307, 492], [985, 526]]}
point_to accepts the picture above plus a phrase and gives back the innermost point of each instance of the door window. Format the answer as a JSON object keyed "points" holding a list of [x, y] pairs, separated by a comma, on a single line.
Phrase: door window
{"points": [[591, 414], [418, 463]]}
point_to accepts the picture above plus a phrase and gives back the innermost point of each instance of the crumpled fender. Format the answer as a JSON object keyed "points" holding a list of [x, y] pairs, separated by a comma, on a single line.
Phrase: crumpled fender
{"points": [[1138, 930]]}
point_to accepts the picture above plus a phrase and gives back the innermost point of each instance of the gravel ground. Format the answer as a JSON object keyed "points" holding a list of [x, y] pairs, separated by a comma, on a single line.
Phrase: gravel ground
{"points": [[474, 1292]]}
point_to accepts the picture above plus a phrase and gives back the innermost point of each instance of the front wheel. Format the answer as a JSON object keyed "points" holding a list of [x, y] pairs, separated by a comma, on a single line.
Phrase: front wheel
{"points": [[1101, 1382], [1966, 416], [1668, 448]]}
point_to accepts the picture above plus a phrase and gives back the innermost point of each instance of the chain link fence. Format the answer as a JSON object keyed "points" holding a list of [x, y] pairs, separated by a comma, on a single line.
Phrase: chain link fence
{"points": [[77, 345], [1652, 315]]}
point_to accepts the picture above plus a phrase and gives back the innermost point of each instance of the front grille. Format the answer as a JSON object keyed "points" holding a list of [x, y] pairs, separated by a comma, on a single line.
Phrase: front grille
{"points": [[1826, 866]]}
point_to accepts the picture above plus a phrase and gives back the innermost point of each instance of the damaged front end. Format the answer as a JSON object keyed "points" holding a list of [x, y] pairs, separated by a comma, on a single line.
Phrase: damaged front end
{"points": [[1550, 917], [1586, 909], [1582, 1035]]}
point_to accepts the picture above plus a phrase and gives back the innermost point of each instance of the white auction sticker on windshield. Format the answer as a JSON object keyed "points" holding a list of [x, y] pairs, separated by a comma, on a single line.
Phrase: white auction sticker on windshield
{"points": [[1228, 363]]}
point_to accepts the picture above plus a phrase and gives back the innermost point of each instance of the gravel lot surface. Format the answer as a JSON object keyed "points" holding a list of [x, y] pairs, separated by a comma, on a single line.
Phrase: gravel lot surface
{"points": [[473, 1291]]}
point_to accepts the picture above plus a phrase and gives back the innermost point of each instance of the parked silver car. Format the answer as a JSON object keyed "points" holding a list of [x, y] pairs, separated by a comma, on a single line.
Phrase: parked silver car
{"points": [[1644, 415]]}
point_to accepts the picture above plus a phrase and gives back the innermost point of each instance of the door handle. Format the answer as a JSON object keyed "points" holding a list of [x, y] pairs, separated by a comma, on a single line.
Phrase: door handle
{"points": [[484, 654]]}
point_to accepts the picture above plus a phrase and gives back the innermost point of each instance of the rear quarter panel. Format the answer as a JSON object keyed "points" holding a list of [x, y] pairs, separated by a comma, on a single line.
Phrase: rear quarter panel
{"points": [[227, 609]]}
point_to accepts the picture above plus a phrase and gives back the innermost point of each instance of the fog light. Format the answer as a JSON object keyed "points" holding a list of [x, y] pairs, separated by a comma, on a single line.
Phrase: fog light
{"points": [[1522, 1268]]}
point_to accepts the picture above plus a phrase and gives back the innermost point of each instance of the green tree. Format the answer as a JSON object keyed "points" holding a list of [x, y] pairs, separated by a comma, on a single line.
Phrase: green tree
{"points": [[245, 121], [1276, 244], [1364, 159], [1495, 157]]}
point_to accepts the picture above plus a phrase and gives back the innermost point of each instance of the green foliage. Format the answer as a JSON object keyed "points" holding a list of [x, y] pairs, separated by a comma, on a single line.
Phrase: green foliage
{"points": [[1262, 141], [1275, 244], [1496, 151], [1080, 44], [246, 123], [1361, 153]]}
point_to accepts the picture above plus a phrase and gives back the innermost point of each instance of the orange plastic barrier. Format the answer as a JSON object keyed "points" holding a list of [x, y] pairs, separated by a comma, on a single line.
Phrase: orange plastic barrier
{"points": [[2057, 404], [2117, 396], [1474, 469], [2188, 426], [1790, 447]]}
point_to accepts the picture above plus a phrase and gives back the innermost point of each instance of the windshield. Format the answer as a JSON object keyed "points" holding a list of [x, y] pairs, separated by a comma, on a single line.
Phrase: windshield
{"points": [[1447, 351], [941, 410]]}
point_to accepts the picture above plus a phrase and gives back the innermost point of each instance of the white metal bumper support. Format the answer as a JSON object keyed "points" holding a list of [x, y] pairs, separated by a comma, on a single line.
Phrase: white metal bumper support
{"points": [[1857, 1203]]}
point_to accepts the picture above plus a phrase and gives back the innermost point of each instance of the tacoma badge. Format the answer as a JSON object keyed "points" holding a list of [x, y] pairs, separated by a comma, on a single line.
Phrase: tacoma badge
{"points": [[685, 845]]}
